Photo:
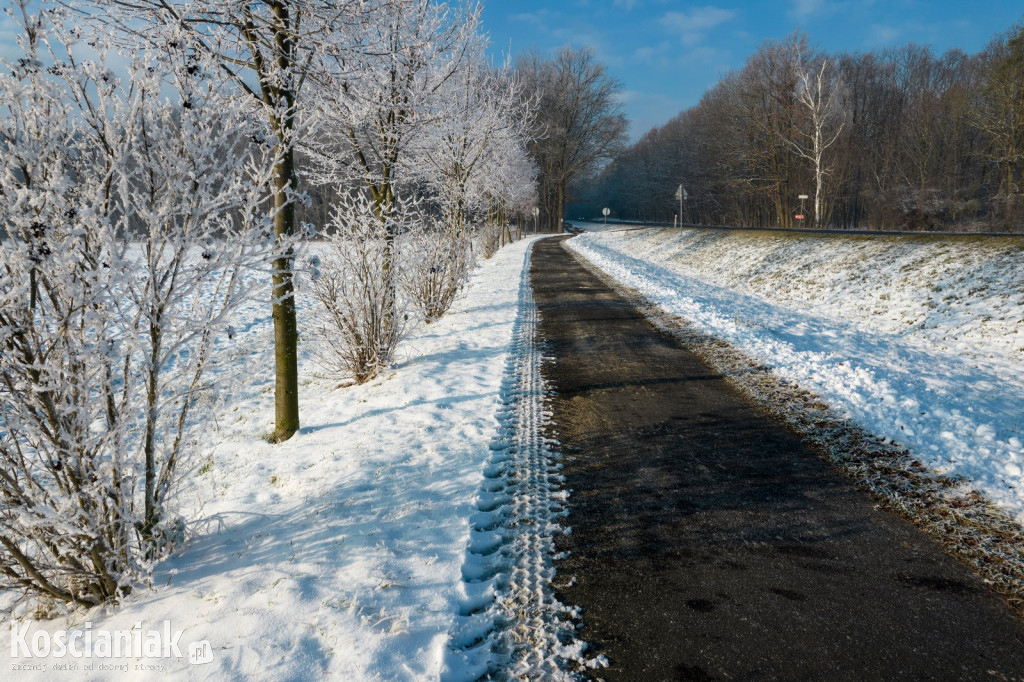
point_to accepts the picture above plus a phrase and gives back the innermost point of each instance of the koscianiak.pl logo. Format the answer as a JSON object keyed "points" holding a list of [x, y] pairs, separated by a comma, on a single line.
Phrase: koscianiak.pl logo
{"points": [[35, 648]]}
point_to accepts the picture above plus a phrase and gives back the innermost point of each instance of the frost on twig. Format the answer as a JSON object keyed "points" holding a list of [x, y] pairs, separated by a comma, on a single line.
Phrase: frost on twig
{"points": [[128, 219], [361, 317]]}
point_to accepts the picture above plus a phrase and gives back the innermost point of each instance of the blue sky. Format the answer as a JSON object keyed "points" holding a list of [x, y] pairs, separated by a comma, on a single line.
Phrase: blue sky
{"points": [[667, 53]]}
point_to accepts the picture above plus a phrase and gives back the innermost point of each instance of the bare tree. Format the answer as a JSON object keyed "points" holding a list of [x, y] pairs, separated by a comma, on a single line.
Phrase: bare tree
{"points": [[1000, 111], [578, 124], [816, 91]]}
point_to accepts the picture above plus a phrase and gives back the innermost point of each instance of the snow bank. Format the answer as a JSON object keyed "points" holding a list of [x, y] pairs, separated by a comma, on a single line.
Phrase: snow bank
{"points": [[339, 553], [918, 339]]}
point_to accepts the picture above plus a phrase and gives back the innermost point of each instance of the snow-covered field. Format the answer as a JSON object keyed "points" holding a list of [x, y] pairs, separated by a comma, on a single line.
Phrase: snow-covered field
{"points": [[920, 340], [345, 552]]}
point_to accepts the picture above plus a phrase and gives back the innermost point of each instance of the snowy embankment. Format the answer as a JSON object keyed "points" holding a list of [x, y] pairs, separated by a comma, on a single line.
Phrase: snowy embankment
{"points": [[918, 339], [345, 552]]}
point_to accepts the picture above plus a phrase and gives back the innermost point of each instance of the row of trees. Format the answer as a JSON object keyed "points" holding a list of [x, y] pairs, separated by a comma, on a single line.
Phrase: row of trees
{"points": [[153, 163], [365, 89], [897, 139]]}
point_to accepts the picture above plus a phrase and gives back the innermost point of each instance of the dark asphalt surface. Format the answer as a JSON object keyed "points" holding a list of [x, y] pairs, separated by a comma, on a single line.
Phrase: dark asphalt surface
{"points": [[708, 543]]}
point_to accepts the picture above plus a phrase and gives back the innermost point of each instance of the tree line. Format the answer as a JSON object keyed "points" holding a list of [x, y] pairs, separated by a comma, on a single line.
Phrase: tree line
{"points": [[900, 139]]}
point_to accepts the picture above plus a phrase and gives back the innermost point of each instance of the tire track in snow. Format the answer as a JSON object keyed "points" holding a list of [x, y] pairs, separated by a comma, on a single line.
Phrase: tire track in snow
{"points": [[511, 625]]}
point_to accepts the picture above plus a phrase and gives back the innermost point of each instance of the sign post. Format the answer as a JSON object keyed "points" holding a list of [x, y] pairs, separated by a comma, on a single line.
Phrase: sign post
{"points": [[606, 211], [681, 195]]}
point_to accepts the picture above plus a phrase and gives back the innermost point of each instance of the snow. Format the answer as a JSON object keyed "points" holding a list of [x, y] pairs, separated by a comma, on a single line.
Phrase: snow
{"points": [[919, 340], [524, 633], [346, 552], [407, 531]]}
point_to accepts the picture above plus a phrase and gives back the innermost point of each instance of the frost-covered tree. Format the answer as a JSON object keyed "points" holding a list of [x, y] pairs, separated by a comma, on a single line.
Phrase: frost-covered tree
{"points": [[385, 97], [271, 50], [358, 322], [128, 212], [507, 177], [479, 124], [378, 112], [434, 264], [475, 136]]}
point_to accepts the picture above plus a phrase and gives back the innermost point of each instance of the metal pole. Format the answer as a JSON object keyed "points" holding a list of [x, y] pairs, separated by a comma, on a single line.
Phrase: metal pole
{"points": [[681, 195]]}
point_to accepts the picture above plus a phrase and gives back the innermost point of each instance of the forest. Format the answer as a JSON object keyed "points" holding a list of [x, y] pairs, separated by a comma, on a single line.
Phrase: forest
{"points": [[898, 139]]}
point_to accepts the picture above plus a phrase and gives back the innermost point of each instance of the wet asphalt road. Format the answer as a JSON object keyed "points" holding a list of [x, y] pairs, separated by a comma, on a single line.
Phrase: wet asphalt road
{"points": [[708, 543]]}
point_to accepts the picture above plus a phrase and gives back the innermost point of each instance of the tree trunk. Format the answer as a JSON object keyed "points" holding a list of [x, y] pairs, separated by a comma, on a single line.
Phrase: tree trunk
{"points": [[560, 215], [286, 333], [819, 178], [150, 514]]}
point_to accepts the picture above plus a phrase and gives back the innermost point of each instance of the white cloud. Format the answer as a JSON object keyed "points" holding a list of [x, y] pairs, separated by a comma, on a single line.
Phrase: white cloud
{"points": [[692, 26], [882, 34], [625, 97], [644, 53], [625, 4], [541, 18], [804, 8]]}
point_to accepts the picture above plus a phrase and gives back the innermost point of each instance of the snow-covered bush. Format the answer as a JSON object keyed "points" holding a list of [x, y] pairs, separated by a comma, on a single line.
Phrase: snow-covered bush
{"points": [[435, 264], [128, 211], [361, 317], [488, 238]]}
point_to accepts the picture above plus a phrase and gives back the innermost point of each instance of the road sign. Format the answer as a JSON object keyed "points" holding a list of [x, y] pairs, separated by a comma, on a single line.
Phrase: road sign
{"points": [[799, 216], [606, 211]]}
